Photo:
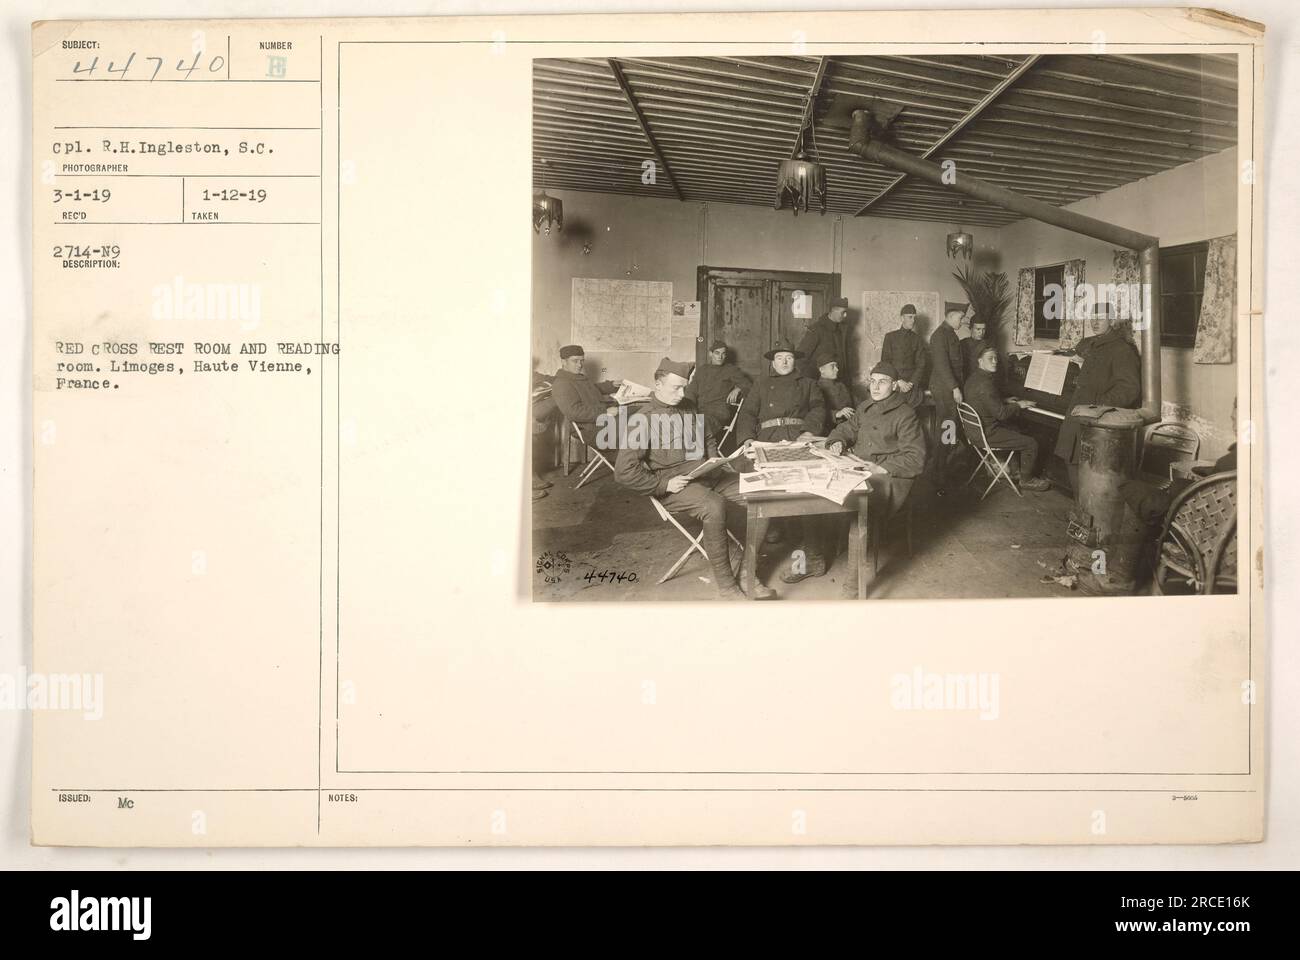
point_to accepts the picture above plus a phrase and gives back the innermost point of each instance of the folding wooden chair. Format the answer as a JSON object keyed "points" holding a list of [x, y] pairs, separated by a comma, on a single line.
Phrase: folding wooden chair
{"points": [[973, 427], [735, 415], [1165, 444], [695, 542], [594, 463]]}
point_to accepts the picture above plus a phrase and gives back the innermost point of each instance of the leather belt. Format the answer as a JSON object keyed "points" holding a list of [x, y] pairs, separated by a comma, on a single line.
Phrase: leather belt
{"points": [[781, 422]]}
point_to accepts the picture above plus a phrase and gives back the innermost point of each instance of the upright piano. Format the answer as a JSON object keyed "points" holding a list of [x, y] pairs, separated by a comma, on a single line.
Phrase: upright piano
{"points": [[1042, 421]]}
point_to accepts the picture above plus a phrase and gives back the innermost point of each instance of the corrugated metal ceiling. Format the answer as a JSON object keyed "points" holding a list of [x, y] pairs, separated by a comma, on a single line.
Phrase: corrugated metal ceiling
{"points": [[1057, 128]]}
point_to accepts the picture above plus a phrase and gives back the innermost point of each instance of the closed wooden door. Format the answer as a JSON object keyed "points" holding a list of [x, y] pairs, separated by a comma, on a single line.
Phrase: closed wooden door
{"points": [[752, 309], [799, 303], [739, 312]]}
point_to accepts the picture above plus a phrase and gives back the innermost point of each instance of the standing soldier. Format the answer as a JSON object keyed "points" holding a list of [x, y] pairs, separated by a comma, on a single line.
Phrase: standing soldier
{"points": [[973, 346], [905, 351], [1111, 375], [829, 334], [946, 378]]}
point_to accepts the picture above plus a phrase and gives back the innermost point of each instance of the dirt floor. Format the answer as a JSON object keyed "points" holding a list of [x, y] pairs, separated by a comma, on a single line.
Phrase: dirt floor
{"points": [[1000, 547]]}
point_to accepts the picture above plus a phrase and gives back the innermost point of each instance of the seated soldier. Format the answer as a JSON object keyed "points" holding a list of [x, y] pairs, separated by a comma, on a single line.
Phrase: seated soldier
{"points": [[578, 398], [983, 394], [781, 405], [716, 387], [885, 432], [836, 396], [656, 463]]}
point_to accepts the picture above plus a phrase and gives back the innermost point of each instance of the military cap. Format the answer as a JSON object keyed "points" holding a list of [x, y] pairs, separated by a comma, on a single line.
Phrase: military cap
{"points": [[885, 369], [783, 346], [908, 308], [823, 356], [572, 350], [840, 302], [677, 367]]}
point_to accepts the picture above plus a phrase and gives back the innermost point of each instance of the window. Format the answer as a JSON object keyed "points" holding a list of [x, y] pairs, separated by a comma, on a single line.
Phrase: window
{"points": [[1182, 281], [1047, 328]]}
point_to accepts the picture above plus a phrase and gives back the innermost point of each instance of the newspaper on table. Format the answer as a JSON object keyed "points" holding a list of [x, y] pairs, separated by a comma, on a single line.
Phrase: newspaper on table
{"points": [[800, 466]]}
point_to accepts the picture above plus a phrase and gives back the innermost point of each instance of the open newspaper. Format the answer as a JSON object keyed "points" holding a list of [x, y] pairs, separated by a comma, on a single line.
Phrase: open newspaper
{"points": [[803, 467]]}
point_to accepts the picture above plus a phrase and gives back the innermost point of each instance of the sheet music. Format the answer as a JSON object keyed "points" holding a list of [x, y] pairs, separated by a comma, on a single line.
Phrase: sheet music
{"points": [[1047, 373]]}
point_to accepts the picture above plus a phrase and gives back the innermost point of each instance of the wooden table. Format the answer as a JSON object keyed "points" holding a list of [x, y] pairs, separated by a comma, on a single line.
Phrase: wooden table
{"points": [[762, 505]]}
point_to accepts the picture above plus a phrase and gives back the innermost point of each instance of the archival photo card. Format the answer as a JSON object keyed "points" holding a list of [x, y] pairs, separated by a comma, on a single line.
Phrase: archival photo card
{"points": [[937, 332]]}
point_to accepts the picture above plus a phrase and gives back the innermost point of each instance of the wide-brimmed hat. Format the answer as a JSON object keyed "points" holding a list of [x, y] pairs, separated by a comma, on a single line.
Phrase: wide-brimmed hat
{"points": [[783, 346]]}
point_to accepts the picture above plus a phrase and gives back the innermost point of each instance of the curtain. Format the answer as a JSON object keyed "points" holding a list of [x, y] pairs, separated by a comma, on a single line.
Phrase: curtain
{"points": [[1077, 303], [1127, 277], [1216, 328], [1025, 307]]}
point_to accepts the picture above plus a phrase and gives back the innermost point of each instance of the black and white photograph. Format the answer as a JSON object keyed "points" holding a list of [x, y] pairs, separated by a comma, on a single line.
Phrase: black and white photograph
{"points": [[836, 327]]}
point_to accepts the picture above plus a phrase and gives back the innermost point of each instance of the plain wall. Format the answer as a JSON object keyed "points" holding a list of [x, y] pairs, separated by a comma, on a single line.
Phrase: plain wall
{"points": [[641, 238], [1196, 201]]}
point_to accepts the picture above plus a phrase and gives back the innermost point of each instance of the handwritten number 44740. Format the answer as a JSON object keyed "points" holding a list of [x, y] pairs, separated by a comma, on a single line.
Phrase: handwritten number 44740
{"points": [[610, 576], [215, 64]]}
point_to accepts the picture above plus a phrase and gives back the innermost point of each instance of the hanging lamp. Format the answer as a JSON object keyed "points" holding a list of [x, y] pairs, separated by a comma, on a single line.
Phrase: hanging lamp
{"points": [[801, 180], [547, 209]]}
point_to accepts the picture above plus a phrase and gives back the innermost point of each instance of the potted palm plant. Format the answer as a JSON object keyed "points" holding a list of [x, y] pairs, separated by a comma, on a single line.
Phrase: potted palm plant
{"points": [[989, 294]]}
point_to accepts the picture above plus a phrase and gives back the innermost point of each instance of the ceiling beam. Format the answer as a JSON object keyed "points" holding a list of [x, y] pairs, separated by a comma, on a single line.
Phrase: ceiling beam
{"points": [[645, 127], [1005, 84], [810, 105]]}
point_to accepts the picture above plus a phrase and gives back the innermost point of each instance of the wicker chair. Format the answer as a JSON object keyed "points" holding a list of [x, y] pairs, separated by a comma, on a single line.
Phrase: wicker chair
{"points": [[1197, 550]]}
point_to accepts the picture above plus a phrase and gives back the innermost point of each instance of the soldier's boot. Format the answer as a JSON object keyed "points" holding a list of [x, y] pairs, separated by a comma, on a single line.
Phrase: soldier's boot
{"points": [[715, 545], [810, 562]]}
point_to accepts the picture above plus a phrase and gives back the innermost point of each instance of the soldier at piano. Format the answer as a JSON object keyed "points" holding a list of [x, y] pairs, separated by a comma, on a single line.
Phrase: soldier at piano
{"points": [[1110, 376], [982, 393]]}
